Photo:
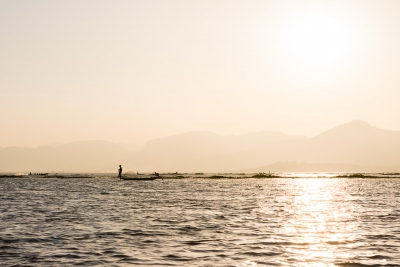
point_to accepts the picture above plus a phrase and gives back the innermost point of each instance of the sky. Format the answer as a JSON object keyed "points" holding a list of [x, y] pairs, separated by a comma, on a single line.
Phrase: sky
{"points": [[130, 71]]}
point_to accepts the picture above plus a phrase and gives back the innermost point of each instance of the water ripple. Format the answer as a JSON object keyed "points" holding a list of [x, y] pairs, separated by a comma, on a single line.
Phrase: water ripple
{"points": [[196, 222]]}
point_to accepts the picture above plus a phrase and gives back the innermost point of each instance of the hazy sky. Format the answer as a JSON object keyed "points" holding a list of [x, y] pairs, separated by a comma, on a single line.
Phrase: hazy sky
{"points": [[130, 71]]}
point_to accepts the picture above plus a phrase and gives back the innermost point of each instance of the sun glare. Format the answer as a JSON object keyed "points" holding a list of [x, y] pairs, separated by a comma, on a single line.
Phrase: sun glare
{"points": [[318, 39]]}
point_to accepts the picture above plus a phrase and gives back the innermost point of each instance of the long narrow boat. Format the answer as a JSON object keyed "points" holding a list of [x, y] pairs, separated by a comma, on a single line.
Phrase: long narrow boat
{"points": [[139, 178]]}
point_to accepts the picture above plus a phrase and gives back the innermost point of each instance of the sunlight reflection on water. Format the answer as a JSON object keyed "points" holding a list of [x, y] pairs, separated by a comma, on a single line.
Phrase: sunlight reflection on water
{"points": [[313, 214], [321, 224]]}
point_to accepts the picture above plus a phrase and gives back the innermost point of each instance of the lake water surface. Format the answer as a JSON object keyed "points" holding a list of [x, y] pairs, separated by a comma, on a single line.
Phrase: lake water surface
{"points": [[200, 222]]}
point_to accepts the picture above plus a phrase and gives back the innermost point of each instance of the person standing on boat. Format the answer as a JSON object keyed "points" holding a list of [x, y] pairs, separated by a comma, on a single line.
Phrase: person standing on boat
{"points": [[120, 172]]}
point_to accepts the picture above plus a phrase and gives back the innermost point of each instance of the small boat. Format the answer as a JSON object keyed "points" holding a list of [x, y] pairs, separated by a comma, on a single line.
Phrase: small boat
{"points": [[139, 178]]}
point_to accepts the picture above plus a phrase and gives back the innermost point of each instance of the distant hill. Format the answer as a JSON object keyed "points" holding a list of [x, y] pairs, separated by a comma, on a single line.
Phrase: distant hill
{"points": [[205, 151], [86, 156], [354, 146], [356, 142]]}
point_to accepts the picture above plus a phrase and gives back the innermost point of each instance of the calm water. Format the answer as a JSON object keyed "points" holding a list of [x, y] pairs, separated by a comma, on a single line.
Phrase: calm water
{"points": [[200, 222]]}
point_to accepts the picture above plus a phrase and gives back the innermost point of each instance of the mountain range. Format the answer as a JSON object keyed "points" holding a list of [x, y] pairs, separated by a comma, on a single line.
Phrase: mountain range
{"points": [[354, 146]]}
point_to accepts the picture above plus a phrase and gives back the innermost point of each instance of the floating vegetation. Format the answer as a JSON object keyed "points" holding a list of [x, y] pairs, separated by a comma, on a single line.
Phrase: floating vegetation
{"points": [[173, 177], [264, 175], [217, 176], [12, 176], [358, 175], [220, 177], [69, 176], [390, 173], [45, 176]]}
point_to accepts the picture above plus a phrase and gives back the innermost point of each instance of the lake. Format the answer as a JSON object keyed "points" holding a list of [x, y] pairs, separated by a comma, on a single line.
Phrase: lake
{"points": [[200, 222]]}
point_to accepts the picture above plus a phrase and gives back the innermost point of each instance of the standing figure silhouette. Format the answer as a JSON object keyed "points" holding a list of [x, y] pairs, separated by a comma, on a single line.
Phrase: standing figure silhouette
{"points": [[120, 172]]}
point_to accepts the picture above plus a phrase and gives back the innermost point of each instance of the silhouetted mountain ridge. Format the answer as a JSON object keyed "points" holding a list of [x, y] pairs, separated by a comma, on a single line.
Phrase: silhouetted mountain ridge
{"points": [[354, 145], [355, 142], [83, 156], [355, 131]]}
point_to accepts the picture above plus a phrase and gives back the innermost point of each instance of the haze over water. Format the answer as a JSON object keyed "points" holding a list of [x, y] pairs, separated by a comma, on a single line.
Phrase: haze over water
{"points": [[200, 222]]}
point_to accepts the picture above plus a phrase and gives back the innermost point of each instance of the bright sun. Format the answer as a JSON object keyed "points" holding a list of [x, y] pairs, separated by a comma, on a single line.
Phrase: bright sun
{"points": [[318, 40]]}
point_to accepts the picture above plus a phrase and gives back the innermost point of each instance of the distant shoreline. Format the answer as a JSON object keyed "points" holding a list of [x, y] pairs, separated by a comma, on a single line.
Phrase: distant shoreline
{"points": [[212, 176]]}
